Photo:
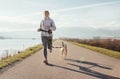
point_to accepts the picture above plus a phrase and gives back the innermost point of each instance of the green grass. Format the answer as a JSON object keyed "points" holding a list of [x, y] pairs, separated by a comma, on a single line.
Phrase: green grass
{"points": [[20, 56], [108, 52]]}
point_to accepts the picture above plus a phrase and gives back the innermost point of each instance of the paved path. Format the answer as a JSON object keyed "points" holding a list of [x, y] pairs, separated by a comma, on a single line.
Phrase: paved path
{"points": [[81, 63]]}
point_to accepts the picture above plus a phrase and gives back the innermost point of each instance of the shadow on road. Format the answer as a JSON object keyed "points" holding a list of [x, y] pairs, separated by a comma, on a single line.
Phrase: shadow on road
{"points": [[91, 63], [93, 73], [85, 70]]}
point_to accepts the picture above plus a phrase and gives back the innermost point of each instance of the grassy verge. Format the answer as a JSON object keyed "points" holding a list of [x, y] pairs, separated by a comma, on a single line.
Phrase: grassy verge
{"points": [[20, 56], [111, 53]]}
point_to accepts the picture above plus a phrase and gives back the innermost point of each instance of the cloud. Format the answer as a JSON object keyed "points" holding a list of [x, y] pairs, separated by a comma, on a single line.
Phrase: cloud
{"points": [[113, 25], [65, 19], [100, 17], [17, 19], [17, 23], [75, 8], [87, 6], [16, 30]]}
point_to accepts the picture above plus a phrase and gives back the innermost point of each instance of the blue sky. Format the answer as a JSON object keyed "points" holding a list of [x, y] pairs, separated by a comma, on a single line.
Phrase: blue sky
{"points": [[25, 15]]}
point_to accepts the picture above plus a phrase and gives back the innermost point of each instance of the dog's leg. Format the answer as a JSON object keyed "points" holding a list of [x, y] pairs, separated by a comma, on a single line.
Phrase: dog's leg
{"points": [[65, 51], [62, 50]]}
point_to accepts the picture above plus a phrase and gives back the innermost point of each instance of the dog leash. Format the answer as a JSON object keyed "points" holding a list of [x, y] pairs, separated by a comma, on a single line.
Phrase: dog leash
{"points": [[56, 47]]}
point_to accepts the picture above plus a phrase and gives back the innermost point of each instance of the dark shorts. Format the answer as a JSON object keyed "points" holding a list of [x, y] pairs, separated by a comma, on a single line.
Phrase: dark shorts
{"points": [[47, 42]]}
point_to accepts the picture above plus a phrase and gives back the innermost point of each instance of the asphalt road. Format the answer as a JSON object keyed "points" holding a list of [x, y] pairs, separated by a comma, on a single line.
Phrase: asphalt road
{"points": [[80, 63]]}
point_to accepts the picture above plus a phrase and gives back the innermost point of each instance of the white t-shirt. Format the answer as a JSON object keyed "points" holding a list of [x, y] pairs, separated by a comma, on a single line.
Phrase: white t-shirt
{"points": [[46, 23]]}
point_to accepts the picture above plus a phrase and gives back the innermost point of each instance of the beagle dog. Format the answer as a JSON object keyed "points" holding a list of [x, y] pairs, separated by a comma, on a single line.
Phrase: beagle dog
{"points": [[64, 49]]}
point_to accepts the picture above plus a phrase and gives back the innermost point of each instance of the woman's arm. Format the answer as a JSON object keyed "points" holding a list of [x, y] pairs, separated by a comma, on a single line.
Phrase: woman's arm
{"points": [[52, 26]]}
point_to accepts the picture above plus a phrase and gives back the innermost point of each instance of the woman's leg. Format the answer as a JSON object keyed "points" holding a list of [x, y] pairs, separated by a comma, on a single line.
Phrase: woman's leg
{"points": [[50, 43], [44, 42]]}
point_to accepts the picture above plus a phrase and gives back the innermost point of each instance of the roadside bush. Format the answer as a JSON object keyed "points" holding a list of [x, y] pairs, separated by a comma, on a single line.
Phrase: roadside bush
{"points": [[112, 44]]}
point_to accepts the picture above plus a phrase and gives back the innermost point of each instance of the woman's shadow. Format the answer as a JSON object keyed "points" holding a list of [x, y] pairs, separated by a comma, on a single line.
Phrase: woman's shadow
{"points": [[91, 63]]}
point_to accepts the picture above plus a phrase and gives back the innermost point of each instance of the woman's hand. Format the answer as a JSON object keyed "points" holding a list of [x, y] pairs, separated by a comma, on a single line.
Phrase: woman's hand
{"points": [[39, 29]]}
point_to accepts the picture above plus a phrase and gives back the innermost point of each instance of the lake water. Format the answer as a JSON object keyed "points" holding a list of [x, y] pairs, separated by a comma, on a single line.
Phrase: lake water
{"points": [[12, 46]]}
